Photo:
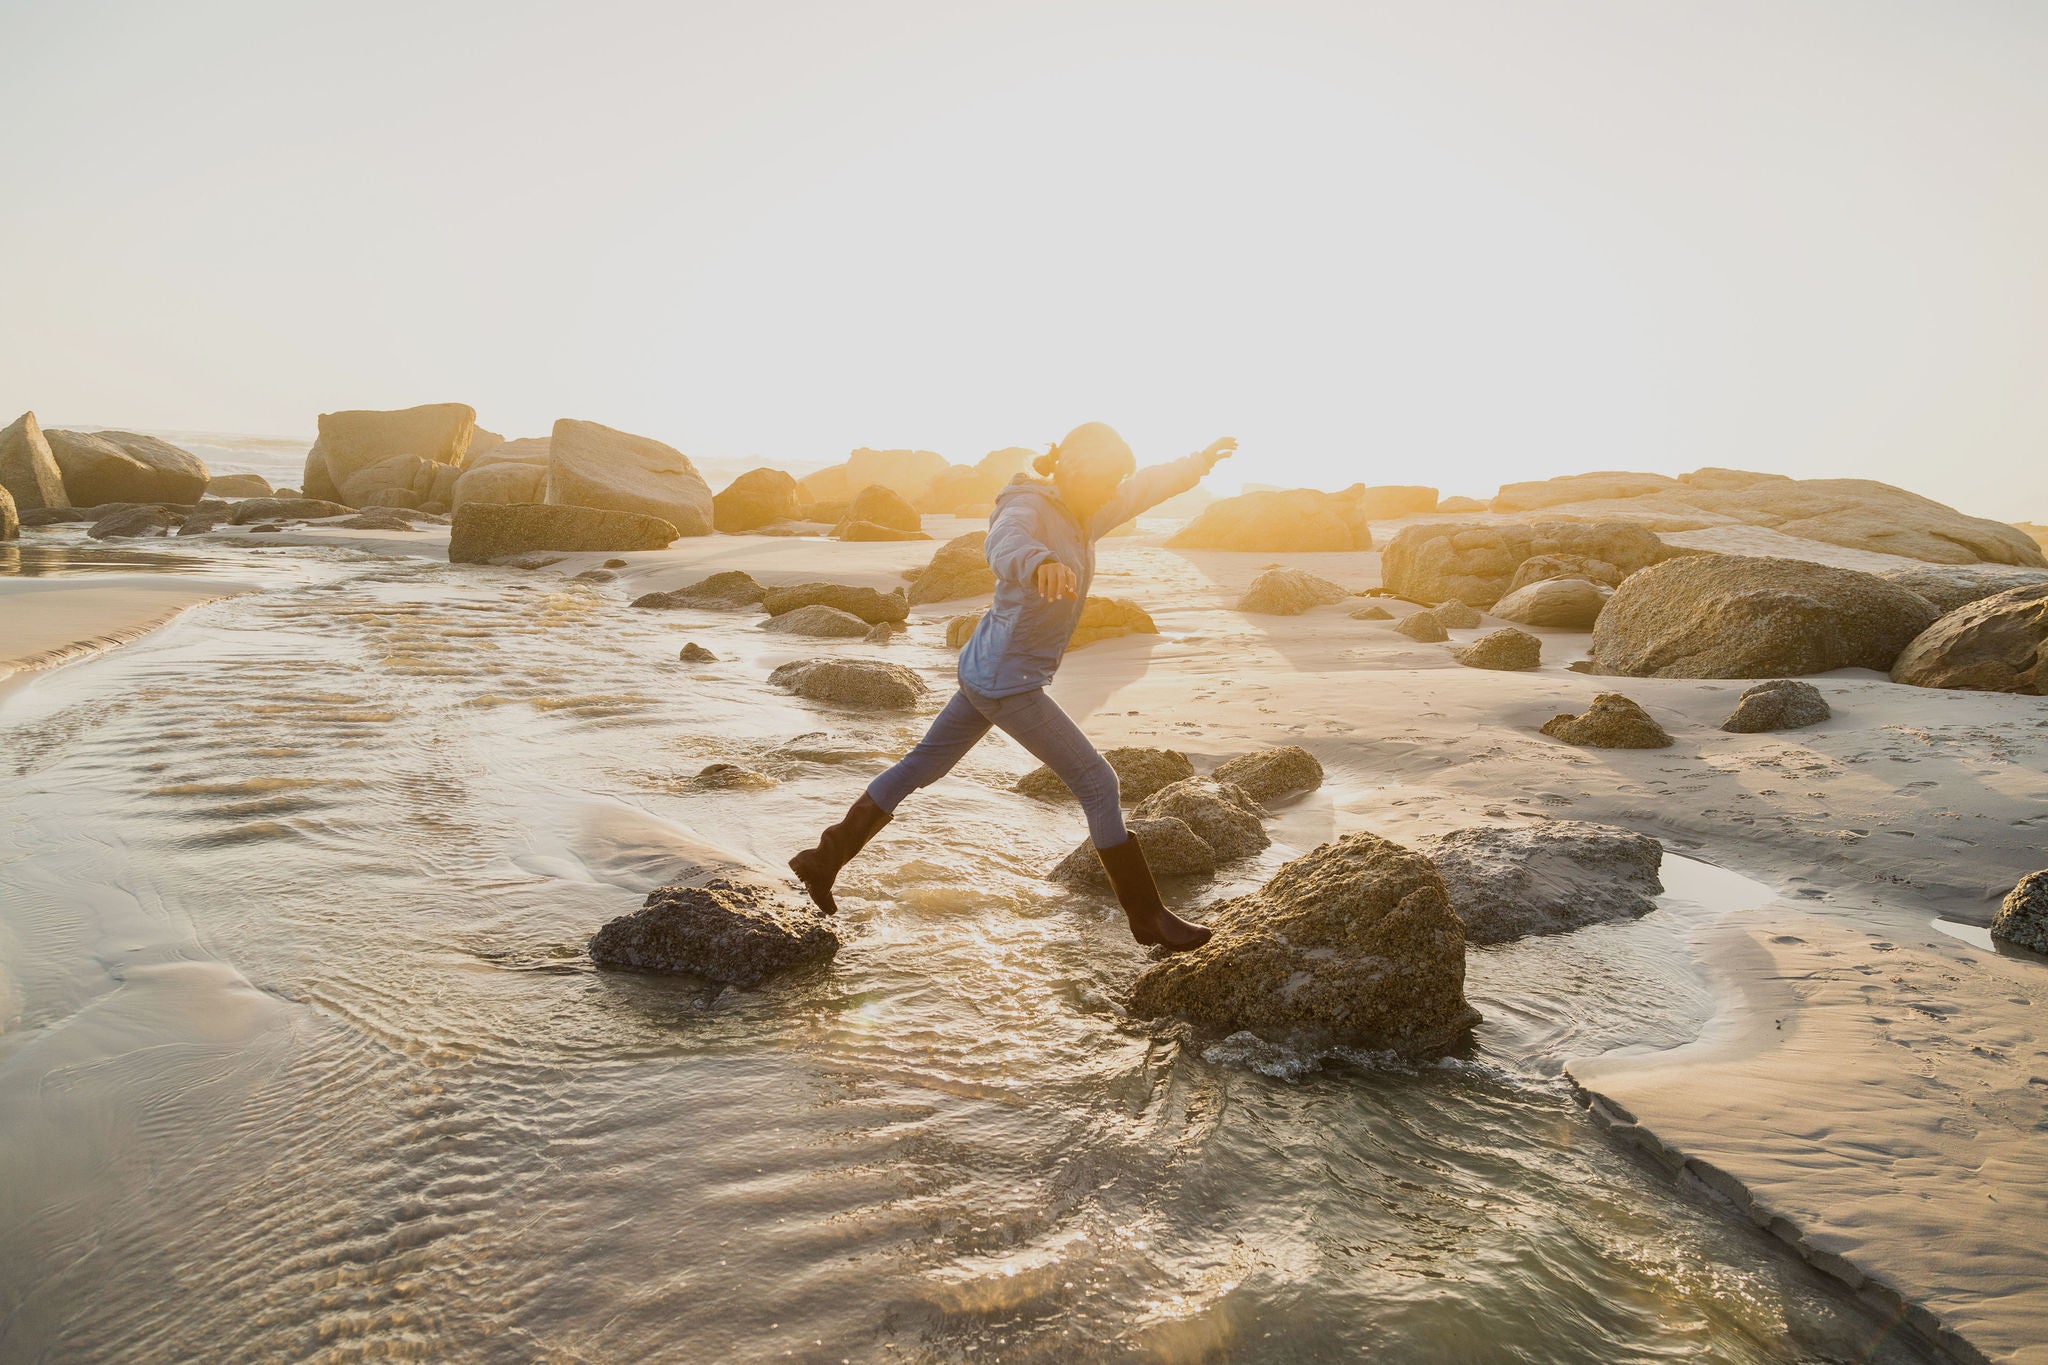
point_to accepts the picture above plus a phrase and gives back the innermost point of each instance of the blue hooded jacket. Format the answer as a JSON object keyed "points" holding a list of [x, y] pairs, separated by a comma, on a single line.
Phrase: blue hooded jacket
{"points": [[1022, 636]]}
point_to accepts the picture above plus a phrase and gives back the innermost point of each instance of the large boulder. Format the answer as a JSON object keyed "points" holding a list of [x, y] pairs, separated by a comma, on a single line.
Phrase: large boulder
{"points": [[1780, 704], [1272, 773], [28, 471], [879, 505], [721, 591], [486, 531], [852, 682], [1739, 616], [2022, 918], [1506, 649], [367, 457], [1171, 850], [1950, 586], [1611, 722], [959, 569], [1289, 592], [1139, 773], [1353, 944], [124, 466], [10, 521], [753, 500], [239, 486], [1222, 813], [1508, 883], [1996, 644], [590, 465], [729, 930], [510, 471], [1439, 561], [1569, 603], [1276, 520], [869, 604]]}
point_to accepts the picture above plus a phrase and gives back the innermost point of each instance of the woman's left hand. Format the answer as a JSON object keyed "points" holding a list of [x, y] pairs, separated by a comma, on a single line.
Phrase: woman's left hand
{"points": [[1220, 450]]}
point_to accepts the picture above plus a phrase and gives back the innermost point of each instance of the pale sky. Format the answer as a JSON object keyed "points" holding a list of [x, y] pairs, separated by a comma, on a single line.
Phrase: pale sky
{"points": [[1431, 242]]}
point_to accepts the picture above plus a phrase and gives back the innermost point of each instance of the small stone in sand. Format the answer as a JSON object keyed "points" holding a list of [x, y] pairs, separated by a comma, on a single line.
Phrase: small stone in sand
{"points": [[1423, 626], [1456, 615], [1612, 722], [1139, 773], [1780, 704], [819, 620], [1506, 649], [727, 930], [694, 653], [2023, 916], [1273, 773]]}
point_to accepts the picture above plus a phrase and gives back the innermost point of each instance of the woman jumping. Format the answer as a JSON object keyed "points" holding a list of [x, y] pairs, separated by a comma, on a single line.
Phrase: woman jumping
{"points": [[1041, 544]]}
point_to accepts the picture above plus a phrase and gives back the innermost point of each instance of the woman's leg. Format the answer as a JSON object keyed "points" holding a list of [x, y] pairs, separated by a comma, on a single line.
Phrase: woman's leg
{"points": [[957, 728], [1049, 735]]}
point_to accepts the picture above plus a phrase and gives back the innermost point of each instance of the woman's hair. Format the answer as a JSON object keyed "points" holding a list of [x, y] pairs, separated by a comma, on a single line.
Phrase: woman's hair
{"points": [[1092, 442]]}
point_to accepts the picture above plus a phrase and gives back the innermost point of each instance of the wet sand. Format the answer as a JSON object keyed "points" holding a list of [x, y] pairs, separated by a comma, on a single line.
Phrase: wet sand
{"points": [[1868, 1087]]}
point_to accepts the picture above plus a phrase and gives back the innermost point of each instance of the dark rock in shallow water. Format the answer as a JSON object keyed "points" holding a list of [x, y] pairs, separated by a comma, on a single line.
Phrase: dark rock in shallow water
{"points": [[729, 930], [1272, 773], [135, 519], [721, 591], [273, 509], [1171, 850], [1353, 944], [1611, 722], [484, 531], [852, 682], [1139, 773], [725, 777], [1781, 704], [2023, 917], [818, 620], [869, 604], [1509, 883], [694, 653]]}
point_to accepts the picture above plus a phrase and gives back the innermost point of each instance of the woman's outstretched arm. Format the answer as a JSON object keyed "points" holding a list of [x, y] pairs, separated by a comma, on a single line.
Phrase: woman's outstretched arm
{"points": [[1155, 484]]}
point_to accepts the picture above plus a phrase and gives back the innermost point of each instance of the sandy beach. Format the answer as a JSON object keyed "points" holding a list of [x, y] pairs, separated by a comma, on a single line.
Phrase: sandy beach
{"points": [[1860, 1076]]}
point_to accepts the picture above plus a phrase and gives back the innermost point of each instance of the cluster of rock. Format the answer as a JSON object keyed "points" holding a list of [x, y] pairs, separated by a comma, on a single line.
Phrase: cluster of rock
{"points": [[1301, 518], [1102, 618], [1353, 944], [1191, 825], [1859, 514], [54, 471], [729, 929], [1480, 565]]}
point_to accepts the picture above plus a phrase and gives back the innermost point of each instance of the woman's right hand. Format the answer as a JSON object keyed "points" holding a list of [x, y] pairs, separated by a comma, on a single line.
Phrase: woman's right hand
{"points": [[1056, 582], [1219, 450]]}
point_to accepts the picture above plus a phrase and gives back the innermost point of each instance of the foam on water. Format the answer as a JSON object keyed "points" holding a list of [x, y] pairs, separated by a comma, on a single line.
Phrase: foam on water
{"points": [[302, 1057]]}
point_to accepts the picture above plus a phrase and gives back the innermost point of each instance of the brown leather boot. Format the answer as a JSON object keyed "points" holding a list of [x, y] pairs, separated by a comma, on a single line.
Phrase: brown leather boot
{"points": [[1152, 924], [817, 868]]}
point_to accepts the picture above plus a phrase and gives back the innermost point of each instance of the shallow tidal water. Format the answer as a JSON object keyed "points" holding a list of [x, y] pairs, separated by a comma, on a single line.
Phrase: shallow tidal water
{"points": [[301, 1059]]}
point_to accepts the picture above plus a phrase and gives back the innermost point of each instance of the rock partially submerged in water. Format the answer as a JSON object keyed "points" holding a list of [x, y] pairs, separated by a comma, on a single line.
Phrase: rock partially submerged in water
{"points": [[852, 682], [818, 620], [1272, 773], [2023, 916], [871, 605], [1506, 649], [1289, 592], [1611, 722], [1139, 773], [720, 592], [1222, 813], [1509, 883], [10, 523], [729, 930], [727, 777], [136, 519], [1171, 850], [694, 653], [1780, 704], [1353, 944], [1744, 616], [276, 509], [1996, 644], [484, 531]]}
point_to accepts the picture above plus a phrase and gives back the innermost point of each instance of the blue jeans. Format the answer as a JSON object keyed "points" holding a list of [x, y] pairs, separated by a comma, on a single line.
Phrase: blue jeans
{"points": [[1035, 721]]}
